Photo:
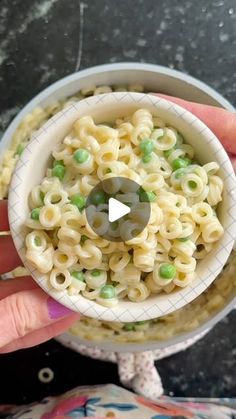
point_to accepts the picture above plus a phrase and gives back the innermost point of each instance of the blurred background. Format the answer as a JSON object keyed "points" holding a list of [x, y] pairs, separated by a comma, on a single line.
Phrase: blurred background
{"points": [[44, 40]]}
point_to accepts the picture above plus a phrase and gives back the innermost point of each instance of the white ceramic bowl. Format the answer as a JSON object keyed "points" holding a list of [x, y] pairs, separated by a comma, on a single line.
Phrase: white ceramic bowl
{"points": [[31, 168], [153, 78]]}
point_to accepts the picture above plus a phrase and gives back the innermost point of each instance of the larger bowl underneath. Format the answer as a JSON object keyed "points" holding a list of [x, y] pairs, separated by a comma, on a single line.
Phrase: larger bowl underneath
{"points": [[153, 78]]}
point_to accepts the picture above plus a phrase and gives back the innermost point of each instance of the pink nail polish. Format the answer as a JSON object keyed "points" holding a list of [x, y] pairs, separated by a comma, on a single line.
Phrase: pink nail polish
{"points": [[57, 310]]}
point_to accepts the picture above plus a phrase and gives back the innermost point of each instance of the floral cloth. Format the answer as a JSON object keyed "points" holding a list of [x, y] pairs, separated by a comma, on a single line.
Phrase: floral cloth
{"points": [[110, 401], [137, 370]]}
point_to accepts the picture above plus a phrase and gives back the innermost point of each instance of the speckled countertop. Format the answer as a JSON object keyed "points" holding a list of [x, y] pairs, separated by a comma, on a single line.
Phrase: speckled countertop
{"points": [[44, 40]]}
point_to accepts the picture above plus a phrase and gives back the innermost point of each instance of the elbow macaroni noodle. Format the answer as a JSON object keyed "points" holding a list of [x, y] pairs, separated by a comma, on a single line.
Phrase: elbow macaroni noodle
{"points": [[185, 319], [183, 196]]}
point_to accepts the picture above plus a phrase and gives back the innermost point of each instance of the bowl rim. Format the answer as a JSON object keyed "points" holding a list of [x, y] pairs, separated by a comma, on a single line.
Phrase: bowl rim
{"points": [[154, 307]]}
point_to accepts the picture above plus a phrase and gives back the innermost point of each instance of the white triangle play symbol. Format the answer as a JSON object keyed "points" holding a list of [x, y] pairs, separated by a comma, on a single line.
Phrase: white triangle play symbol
{"points": [[116, 210]]}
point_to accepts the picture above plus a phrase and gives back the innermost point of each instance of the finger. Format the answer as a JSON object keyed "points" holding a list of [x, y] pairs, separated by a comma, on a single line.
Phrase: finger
{"points": [[12, 286], [41, 335], [9, 258], [27, 311], [220, 121], [4, 224]]}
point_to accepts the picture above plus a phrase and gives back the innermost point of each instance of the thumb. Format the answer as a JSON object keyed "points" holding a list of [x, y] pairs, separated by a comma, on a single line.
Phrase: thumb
{"points": [[220, 121], [26, 311]]}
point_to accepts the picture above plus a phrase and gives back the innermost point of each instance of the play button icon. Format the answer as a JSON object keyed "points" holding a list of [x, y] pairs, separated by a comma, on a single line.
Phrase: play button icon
{"points": [[116, 209]]}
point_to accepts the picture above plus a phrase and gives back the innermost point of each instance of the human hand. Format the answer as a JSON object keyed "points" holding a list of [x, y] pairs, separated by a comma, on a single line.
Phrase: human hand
{"points": [[27, 315]]}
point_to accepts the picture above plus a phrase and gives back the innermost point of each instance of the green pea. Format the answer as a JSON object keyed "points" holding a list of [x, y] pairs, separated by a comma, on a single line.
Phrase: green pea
{"points": [[167, 153], [146, 196], [35, 214], [108, 170], [167, 271], [187, 160], [99, 198], [58, 163], [146, 146], [96, 272], [192, 184], [59, 171], [180, 163], [83, 238], [20, 149], [128, 327], [147, 158], [81, 155], [183, 239], [108, 291], [78, 275], [78, 200]]}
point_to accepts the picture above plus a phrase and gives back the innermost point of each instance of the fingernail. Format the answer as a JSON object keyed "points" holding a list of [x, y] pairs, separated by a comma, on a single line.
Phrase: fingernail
{"points": [[57, 310]]}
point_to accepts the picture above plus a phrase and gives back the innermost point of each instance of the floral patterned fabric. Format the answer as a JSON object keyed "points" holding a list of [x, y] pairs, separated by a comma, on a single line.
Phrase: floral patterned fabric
{"points": [[110, 401]]}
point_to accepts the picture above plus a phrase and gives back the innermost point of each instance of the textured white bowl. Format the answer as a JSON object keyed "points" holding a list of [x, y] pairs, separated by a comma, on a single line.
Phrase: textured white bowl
{"points": [[31, 169]]}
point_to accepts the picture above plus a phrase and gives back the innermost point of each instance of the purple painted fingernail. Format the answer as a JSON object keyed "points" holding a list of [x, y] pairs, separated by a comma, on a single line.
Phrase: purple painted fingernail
{"points": [[57, 310]]}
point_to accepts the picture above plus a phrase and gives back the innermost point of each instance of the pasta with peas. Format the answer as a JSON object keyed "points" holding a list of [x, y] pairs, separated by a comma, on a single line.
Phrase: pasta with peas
{"points": [[183, 225]]}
